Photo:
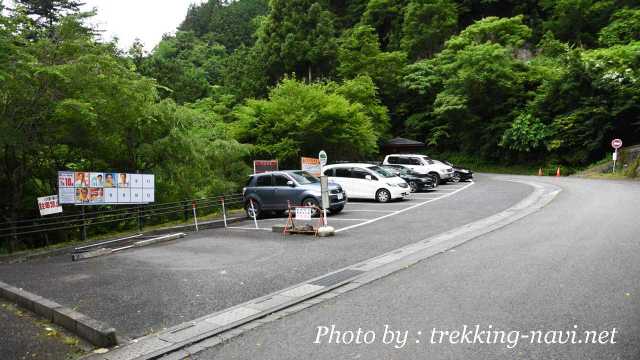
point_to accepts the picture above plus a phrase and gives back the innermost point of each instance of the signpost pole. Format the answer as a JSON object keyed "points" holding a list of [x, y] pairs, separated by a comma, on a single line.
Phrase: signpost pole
{"points": [[324, 186], [616, 144]]}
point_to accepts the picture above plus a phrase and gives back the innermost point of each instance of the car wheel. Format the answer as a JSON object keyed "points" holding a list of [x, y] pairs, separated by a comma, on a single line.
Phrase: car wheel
{"points": [[455, 178], [311, 202], [436, 177], [413, 186], [257, 209], [383, 196], [336, 211]]}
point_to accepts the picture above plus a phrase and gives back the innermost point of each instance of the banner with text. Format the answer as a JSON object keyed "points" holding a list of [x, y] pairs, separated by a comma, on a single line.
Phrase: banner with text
{"points": [[311, 165], [49, 205]]}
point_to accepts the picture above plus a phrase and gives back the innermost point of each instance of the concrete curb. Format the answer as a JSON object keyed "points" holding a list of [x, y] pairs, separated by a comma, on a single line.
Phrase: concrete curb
{"points": [[107, 251], [96, 332], [159, 239]]}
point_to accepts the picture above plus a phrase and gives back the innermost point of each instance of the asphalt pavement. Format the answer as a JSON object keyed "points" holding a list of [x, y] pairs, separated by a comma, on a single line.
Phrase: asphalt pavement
{"points": [[24, 336], [144, 290], [568, 273]]}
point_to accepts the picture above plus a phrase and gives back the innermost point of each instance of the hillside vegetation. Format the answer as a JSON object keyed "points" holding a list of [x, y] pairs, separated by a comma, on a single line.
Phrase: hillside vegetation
{"points": [[506, 81]]}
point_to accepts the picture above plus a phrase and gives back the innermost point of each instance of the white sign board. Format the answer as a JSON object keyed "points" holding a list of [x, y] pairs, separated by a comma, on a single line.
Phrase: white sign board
{"points": [[105, 188], [304, 213], [615, 156], [49, 205]]}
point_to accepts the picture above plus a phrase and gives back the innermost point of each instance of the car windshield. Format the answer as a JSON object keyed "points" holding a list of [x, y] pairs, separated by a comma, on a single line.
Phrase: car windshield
{"points": [[384, 172], [303, 177]]}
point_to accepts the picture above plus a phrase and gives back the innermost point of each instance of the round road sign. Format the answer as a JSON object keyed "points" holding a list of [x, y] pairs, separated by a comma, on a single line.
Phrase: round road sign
{"points": [[323, 157], [616, 143]]}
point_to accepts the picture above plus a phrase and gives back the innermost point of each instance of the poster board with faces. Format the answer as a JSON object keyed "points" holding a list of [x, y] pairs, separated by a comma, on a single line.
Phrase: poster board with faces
{"points": [[105, 188]]}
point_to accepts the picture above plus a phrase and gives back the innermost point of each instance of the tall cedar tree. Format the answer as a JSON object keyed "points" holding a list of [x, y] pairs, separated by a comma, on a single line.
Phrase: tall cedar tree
{"points": [[49, 12]]}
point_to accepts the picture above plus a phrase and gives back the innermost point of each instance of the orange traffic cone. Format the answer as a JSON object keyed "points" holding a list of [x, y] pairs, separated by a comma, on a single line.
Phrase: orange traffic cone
{"points": [[558, 171], [540, 172]]}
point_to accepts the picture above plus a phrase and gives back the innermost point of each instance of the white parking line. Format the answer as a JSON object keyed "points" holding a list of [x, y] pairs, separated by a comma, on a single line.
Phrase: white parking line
{"points": [[340, 219], [364, 210], [403, 210], [247, 228]]}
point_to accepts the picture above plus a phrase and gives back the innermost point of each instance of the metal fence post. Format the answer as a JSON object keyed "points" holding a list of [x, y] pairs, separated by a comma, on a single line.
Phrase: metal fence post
{"points": [[140, 219], [224, 211], [83, 235], [195, 215]]}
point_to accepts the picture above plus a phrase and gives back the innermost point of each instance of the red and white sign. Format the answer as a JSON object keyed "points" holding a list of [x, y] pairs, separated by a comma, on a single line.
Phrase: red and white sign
{"points": [[263, 166], [616, 143], [49, 205], [304, 213]]}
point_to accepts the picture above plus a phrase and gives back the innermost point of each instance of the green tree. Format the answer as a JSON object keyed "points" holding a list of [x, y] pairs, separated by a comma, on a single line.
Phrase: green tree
{"points": [[476, 65], [578, 21], [244, 73], [427, 25], [362, 90], [186, 66], [359, 54], [624, 28], [49, 12], [229, 23], [386, 17], [300, 119], [298, 37]]}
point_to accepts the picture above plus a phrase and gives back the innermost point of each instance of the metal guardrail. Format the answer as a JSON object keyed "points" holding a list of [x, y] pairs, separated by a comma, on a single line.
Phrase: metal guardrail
{"points": [[103, 221]]}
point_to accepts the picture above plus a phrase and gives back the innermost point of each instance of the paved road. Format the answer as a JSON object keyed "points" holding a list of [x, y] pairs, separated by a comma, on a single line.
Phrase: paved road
{"points": [[144, 290], [574, 263]]}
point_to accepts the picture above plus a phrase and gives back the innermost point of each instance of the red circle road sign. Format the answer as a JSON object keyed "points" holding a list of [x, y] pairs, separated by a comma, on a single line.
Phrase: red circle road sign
{"points": [[616, 143]]}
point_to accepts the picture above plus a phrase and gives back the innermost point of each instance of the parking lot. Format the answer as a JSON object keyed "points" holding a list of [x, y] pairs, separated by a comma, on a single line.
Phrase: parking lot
{"points": [[141, 291], [362, 212]]}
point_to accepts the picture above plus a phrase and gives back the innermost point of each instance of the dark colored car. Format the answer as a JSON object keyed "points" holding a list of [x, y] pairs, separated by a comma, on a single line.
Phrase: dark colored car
{"points": [[459, 174], [274, 190], [416, 181]]}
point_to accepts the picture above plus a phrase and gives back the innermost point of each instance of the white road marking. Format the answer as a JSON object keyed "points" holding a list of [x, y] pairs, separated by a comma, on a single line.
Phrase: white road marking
{"points": [[402, 210], [364, 210], [340, 219], [247, 228]]}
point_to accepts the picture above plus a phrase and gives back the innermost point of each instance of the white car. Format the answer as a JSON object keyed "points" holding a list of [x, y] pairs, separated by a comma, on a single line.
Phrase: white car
{"points": [[421, 164], [366, 181]]}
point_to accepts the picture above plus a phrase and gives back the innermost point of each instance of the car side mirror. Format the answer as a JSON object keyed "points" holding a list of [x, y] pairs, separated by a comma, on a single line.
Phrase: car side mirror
{"points": [[368, 177], [291, 183]]}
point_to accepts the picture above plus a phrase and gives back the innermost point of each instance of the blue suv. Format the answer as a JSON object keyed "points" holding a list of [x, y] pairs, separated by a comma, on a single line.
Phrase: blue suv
{"points": [[274, 190]]}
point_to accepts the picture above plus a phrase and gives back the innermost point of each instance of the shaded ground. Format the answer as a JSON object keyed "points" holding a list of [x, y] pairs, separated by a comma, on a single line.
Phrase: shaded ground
{"points": [[24, 336]]}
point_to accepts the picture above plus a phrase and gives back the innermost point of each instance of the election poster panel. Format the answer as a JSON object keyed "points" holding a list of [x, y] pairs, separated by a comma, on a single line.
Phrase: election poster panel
{"points": [[105, 188]]}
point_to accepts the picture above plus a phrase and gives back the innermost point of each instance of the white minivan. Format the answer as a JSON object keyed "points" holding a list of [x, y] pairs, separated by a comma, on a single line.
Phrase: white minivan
{"points": [[421, 164], [366, 181]]}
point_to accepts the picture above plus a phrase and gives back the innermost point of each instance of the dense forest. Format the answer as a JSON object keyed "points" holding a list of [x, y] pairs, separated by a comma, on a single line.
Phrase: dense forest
{"points": [[531, 81]]}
